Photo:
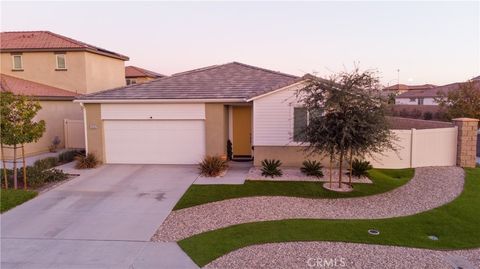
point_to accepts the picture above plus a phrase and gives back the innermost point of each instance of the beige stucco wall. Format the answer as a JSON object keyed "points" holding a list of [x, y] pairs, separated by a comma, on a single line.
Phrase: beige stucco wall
{"points": [[86, 72], [216, 128], [53, 112], [94, 124], [40, 67], [103, 72], [288, 155]]}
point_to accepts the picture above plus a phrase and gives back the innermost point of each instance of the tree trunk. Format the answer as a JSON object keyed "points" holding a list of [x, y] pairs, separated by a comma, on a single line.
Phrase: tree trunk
{"points": [[15, 182], [24, 168], [350, 174], [330, 168], [5, 177], [340, 170]]}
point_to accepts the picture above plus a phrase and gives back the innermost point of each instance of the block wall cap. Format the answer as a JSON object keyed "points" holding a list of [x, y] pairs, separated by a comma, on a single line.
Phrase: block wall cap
{"points": [[466, 119]]}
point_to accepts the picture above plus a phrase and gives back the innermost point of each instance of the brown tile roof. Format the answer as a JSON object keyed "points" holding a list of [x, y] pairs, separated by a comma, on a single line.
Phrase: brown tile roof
{"points": [[135, 72], [30, 88], [228, 81], [48, 41], [409, 87], [434, 92]]}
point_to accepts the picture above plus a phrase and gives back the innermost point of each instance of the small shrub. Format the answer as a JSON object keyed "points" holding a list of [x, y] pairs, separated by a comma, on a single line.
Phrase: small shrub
{"points": [[270, 168], [54, 175], [55, 143], [312, 168], [360, 168], [46, 163], [85, 162], [428, 115], [69, 156], [35, 177], [212, 166]]}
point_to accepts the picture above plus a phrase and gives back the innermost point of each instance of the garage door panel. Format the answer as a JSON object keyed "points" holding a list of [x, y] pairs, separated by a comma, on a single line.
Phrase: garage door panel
{"points": [[155, 142]]}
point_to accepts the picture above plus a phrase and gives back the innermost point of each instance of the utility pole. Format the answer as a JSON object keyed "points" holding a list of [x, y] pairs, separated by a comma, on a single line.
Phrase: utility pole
{"points": [[398, 80]]}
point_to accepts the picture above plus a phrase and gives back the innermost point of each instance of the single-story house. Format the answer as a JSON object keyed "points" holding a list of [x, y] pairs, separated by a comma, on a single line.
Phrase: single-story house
{"points": [[134, 75], [181, 118], [56, 105], [401, 88]]}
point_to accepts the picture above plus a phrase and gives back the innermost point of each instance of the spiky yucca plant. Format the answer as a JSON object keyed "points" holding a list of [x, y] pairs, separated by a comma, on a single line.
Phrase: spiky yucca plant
{"points": [[270, 168], [212, 166], [312, 168], [85, 162], [360, 168]]}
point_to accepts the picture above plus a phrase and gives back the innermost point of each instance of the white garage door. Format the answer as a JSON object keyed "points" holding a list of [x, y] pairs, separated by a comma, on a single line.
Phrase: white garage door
{"points": [[154, 142]]}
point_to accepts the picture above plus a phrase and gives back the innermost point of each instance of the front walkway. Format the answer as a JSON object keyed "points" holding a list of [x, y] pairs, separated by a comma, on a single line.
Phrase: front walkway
{"points": [[96, 219], [32, 159], [344, 255], [429, 188]]}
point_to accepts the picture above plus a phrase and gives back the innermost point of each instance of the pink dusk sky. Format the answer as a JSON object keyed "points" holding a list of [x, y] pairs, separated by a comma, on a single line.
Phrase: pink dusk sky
{"points": [[429, 42]]}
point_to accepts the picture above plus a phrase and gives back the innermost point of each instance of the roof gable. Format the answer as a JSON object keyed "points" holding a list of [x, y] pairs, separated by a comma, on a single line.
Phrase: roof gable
{"points": [[228, 81], [46, 41]]}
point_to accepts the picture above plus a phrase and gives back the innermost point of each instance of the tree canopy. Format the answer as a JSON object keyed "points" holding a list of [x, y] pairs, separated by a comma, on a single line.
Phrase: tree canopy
{"points": [[464, 102], [346, 116]]}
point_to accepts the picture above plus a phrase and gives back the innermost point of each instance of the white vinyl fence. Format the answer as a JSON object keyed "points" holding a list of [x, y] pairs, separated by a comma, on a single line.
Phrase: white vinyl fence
{"points": [[74, 134], [416, 148]]}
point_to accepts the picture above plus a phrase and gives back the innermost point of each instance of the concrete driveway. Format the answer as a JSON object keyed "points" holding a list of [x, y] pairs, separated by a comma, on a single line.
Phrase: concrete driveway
{"points": [[101, 219]]}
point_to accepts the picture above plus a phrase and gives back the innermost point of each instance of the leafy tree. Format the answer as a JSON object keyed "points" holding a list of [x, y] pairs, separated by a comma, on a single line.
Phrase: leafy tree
{"points": [[347, 116], [17, 126], [464, 102]]}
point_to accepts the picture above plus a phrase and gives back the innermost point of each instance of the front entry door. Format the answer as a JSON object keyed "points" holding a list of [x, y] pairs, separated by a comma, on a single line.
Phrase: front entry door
{"points": [[242, 130]]}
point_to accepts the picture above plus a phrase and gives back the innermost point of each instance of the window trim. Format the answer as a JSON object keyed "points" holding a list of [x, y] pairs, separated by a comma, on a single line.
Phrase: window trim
{"points": [[57, 68], [13, 62], [293, 124]]}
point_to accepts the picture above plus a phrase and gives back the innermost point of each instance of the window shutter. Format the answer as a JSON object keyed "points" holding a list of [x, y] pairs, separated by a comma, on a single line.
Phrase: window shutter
{"points": [[299, 123]]}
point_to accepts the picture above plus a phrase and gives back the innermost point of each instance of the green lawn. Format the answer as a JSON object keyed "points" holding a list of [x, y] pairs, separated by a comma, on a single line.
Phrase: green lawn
{"points": [[383, 180], [12, 198], [456, 224]]}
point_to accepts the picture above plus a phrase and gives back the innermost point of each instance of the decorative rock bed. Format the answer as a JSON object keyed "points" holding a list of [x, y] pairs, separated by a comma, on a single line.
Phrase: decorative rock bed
{"points": [[429, 188], [344, 255]]}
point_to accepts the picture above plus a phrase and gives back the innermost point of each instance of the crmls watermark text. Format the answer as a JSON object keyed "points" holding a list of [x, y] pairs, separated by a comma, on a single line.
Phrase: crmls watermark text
{"points": [[327, 262]]}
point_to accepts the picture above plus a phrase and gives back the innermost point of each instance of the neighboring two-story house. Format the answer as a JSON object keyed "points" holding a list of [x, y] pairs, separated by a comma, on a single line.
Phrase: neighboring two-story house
{"points": [[135, 75], [54, 69]]}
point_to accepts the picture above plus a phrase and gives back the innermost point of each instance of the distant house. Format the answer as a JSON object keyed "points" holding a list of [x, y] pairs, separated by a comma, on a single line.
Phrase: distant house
{"points": [[402, 88], [427, 96], [54, 69], [135, 75]]}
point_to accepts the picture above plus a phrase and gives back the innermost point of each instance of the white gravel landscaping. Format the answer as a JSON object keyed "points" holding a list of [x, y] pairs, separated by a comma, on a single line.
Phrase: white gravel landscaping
{"points": [[344, 255], [294, 174], [429, 188]]}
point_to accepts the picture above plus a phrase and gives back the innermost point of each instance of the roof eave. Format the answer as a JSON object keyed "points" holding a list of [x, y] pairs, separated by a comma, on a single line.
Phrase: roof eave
{"points": [[116, 56], [127, 101]]}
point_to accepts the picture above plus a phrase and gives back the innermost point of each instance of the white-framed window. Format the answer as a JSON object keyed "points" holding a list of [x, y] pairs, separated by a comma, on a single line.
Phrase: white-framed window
{"points": [[420, 101], [17, 62], [61, 61], [131, 81]]}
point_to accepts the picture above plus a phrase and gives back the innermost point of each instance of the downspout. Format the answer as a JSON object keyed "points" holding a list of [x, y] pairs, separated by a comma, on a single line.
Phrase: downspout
{"points": [[85, 126]]}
